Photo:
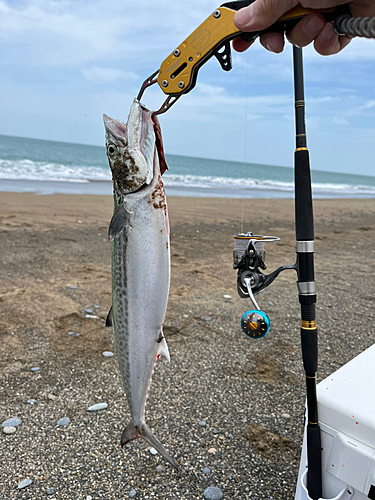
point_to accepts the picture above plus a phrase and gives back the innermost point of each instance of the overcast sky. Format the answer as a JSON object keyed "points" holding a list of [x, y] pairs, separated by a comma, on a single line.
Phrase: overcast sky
{"points": [[64, 63]]}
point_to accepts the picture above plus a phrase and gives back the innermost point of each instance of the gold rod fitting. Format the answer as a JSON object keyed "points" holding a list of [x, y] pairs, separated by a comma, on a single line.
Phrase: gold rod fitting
{"points": [[301, 149], [308, 325], [313, 423]]}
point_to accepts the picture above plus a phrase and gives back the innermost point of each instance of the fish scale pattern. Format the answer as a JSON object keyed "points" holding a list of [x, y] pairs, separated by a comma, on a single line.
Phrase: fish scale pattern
{"points": [[120, 308]]}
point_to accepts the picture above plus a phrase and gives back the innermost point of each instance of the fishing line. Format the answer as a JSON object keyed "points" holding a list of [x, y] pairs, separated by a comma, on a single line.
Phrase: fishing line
{"points": [[245, 135]]}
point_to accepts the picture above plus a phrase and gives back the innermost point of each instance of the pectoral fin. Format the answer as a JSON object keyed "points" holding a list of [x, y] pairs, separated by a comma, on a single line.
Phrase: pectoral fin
{"points": [[120, 220]]}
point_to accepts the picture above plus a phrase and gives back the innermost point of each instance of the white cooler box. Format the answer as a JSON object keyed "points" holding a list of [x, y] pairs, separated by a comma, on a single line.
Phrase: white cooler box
{"points": [[346, 406]]}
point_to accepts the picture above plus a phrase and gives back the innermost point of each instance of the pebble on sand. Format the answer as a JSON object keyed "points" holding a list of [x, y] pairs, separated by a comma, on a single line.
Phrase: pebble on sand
{"points": [[24, 484], [212, 450], [153, 451], [227, 297], [51, 491], [73, 288], [31, 401], [212, 493], [63, 422], [108, 354], [9, 430], [89, 311], [97, 407], [132, 493], [12, 422], [207, 320], [91, 316], [70, 333], [206, 470], [159, 468], [202, 423], [35, 369]]}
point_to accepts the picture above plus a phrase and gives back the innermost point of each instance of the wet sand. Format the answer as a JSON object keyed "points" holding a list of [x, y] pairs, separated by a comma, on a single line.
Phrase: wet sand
{"points": [[55, 264]]}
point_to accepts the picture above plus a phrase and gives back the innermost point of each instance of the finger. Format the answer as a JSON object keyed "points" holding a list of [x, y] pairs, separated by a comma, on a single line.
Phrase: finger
{"points": [[328, 42], [261, 14], [306, 30], [362, 8], [239, 45], [274, 42], [321, 4]]}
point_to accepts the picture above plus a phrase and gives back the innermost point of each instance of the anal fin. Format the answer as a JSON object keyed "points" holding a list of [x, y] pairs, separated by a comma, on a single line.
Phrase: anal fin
{"points": [[163, 349]]}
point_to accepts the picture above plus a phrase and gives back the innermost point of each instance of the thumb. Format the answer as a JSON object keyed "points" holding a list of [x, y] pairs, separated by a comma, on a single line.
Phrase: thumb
{"points": [[260, 14]]}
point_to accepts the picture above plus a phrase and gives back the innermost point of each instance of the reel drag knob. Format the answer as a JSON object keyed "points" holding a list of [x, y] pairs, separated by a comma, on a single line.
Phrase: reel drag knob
{"points": [[255, 324]]}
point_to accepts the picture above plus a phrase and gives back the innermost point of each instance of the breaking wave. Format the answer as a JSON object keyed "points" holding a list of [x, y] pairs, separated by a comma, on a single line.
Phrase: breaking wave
{"points": [[208, 182], [47, 171], [279, 179]]}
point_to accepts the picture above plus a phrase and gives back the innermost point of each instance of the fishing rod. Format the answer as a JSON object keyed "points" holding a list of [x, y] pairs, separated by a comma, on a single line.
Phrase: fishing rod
{"points": [[304, 221], [249, 257], [177, 76]]}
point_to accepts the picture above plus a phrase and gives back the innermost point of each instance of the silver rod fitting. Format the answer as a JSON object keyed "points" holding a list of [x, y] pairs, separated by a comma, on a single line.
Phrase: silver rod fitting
{"points": [[306, 288], [305, 246]]}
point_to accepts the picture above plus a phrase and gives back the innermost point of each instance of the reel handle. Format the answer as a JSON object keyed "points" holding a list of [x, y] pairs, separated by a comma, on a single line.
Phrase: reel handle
{"points": [[255, 324]]}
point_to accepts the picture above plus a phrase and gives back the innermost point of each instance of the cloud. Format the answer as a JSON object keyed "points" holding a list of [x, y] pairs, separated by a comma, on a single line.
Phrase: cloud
{"points": [[101, 76], [65, 62], [341, 121], [68, 33]]}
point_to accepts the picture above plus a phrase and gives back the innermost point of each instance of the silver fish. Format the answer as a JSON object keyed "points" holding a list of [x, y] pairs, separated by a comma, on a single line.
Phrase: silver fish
{"points": [[139, 230]]}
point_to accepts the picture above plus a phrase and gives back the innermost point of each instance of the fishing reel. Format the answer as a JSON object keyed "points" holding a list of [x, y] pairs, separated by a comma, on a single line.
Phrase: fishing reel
{"points": [[248, 258]]}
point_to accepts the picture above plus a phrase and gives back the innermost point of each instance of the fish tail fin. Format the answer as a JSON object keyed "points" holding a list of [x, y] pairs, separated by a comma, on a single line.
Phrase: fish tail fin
{"points": [[132, 432]]}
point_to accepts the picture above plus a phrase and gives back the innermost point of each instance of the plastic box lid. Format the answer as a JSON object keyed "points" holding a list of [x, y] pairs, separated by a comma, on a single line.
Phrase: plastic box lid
{"points": [[346, 399]]}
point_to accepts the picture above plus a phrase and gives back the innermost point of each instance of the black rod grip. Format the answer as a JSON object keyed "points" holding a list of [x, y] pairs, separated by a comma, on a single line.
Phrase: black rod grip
{"points": [[306, 267], [312, 403], [314, 472], [303, 197], [309, 339]]}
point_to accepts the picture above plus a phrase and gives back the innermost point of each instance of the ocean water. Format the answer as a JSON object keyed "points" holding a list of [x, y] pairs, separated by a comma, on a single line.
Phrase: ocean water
{"points": [[55, 167]]}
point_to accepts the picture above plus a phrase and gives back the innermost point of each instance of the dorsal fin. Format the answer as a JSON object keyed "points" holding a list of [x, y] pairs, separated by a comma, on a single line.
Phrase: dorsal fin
{"points": [[109, 320]]}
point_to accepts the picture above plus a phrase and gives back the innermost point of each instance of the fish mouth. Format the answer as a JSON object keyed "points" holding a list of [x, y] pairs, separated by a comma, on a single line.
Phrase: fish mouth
{"points": [[115, 128], [131, 148]]}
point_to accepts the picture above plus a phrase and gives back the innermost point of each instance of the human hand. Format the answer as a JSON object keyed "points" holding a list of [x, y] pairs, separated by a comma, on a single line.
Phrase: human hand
{"points": [[313, 28]]}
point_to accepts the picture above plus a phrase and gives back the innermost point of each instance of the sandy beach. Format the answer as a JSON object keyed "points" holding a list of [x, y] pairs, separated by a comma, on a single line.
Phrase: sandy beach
{"points": [[55, 264]]}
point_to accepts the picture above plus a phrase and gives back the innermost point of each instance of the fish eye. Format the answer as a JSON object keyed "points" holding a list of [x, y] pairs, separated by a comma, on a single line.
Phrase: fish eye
{"points": [[111, 148]]}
